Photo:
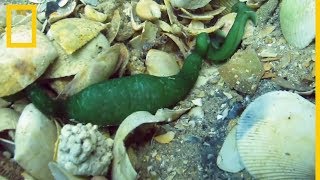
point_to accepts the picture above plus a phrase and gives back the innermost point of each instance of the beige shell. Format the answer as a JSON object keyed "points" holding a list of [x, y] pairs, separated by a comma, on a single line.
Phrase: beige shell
{"points": [[67, 65], [276, 137], [73, 33], [201, 17], [22, 66], [92, 14], [34, 141], [8, 119], [148, 10], [101, 68], [160, 63], [189, 4], [114, 26], [297, 21]]}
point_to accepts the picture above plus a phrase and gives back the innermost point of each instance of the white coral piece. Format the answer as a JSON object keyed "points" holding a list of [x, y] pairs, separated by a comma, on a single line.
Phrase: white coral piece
{"points": [[83, 150]]}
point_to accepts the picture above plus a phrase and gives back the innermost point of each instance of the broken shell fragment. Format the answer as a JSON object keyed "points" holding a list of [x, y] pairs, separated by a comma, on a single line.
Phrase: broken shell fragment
{"points": [[101, 68], [189, 4], [228, 158], [22, 66], [148, 10], [92, 14], [8, 119], [62, 12], [160, 63], [34, 141], [201, 17], [276, 137], [115, 26], [67, 65], [297, 21], [73, 33]]}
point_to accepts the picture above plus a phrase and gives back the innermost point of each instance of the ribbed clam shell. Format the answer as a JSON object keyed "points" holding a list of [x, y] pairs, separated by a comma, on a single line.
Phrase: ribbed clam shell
{"points": [[297, 21], [276, 137]]}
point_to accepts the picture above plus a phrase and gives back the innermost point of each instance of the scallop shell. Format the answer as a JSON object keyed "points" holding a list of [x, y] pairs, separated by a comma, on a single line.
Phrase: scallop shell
{"points": [[73, 33], [160, 63], [189, 4], [276, 137], [22, 66], [35, 140], [297, 21]]}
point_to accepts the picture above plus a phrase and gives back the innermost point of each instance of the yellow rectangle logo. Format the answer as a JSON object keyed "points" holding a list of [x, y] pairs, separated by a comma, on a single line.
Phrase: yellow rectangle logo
{"points": [[18, 7]]}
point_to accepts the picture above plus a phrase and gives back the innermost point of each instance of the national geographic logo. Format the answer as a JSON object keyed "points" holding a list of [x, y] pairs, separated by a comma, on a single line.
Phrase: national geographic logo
{"points": [[17, 7]]}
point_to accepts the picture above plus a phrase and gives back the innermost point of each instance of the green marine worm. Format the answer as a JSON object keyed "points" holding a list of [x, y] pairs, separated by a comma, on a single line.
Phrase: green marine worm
{"points": [[111, 101], [234, 36]]}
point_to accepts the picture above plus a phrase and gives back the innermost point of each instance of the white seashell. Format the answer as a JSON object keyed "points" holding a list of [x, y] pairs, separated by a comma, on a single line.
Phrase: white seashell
{"points": [[73, 33], [228, 158], [22, 66], [189, 4], [35, 140], [160, 63], [297, 21], [148, 10], [276, 137], [8, 119]]}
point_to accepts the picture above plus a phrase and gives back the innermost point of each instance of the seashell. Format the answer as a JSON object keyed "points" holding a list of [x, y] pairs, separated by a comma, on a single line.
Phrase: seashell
{"points": [[182, 47], [101, 68], [160, 63], [67, 65], [115, 26], [276, 137], [9, 119], [229, 158], [189, 4], [73, 33], [206, 16], [22, 66], [148, 10], [94, 15], [148, 36], [35, 140], [297, 22], [225, 3], [59, 173], [62, 12], [165, 138]]}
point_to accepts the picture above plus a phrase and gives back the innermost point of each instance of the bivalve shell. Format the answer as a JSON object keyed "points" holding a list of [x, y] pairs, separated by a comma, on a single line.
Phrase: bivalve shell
{"points": [[189, 4], [276, 137], [160, 63], [20, 67], [297, 21], [35, 140], [73, 33]]}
